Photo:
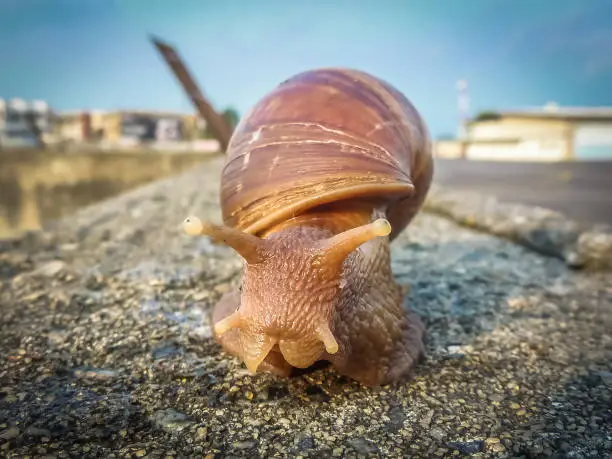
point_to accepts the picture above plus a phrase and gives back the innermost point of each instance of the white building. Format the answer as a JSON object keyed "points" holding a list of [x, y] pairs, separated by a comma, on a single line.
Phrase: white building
{"points": [[549, 133], [15, 128]]}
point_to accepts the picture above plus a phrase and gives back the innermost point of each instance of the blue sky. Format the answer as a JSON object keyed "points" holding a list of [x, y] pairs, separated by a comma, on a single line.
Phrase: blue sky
{"points": [[87, 54]]}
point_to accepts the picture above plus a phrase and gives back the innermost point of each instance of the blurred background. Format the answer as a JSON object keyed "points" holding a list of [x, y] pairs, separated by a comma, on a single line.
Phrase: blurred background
{"points": [[517, 94]]}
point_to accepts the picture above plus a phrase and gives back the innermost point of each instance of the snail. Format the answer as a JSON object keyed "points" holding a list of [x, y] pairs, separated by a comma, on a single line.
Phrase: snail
{"points": [[319, 177]]}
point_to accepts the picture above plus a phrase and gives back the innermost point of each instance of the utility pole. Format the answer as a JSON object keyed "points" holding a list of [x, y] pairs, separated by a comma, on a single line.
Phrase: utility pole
{"points": [[218, 125], [463, 106]]}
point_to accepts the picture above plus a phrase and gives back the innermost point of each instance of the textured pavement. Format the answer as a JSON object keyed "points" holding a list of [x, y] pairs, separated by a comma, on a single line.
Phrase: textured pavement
{"points": [[106, 348]]}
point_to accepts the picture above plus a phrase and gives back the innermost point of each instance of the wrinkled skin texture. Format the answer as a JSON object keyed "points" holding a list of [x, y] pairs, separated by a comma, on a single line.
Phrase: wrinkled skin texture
{"points": [[285, 297]]}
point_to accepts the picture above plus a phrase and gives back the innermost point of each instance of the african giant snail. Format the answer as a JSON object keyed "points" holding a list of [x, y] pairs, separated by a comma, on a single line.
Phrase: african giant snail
{"points": [[320, 176]]}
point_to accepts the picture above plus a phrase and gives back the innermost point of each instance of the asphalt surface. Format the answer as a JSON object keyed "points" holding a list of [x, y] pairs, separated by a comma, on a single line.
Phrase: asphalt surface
{"points": [[581, 190], [106, 348]]}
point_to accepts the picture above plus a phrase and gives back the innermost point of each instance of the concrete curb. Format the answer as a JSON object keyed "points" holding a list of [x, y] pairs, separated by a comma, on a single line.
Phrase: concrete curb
{"points": [[543, 230]]}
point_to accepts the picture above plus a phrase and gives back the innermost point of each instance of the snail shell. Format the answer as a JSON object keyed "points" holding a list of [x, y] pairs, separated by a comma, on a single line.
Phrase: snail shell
{"points": [[320, 176], [323, 136]]}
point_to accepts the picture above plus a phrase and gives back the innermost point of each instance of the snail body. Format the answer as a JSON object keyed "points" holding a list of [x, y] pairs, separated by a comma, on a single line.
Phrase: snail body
{"points": [[320, 176]]}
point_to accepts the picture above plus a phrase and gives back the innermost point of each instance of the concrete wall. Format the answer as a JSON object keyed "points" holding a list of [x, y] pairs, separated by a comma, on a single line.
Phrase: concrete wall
{"points": [[551, 150], [450, 149], [493, 150], [517, 128], [36, 186]]}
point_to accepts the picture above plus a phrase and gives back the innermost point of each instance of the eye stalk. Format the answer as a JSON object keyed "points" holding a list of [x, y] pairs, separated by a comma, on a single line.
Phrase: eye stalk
{"points": [[193, 226], [335, 249], [249, 247]]}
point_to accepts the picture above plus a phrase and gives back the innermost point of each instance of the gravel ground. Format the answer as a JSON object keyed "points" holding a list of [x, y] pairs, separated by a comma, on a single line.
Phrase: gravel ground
{"points": [[107, 349]]}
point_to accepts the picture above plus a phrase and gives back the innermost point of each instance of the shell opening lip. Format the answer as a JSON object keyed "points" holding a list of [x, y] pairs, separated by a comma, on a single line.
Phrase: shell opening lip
{"points": [[401, 189]]}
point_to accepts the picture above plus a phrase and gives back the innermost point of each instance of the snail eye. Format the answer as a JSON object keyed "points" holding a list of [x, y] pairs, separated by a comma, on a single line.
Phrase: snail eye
{"points": [[193, 225]]}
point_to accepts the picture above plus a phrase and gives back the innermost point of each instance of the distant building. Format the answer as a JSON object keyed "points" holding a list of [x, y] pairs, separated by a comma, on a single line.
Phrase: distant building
{"points": [[549, 133], [21, 121], [73, 126], [135, 128], [138, 126]]}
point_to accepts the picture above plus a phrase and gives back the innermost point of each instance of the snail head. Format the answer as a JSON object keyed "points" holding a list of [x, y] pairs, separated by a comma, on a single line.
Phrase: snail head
{"points": [[290, 289]]}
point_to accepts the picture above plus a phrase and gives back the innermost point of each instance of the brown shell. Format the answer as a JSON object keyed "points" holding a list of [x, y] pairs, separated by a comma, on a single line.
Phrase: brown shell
{"points": [[321, 136]]}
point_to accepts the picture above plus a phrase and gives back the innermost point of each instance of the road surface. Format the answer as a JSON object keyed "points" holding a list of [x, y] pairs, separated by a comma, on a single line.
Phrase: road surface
{"points": [[108, 348], [581, 190]]}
